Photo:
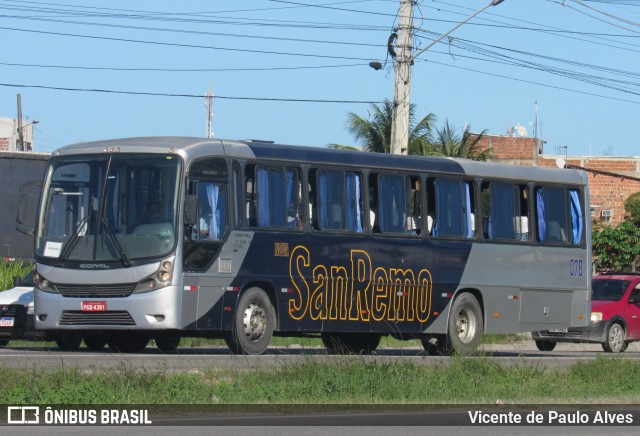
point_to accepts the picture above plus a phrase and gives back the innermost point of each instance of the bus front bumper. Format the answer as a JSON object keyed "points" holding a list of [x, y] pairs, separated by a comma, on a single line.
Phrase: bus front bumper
{"points": [[156, 310]]}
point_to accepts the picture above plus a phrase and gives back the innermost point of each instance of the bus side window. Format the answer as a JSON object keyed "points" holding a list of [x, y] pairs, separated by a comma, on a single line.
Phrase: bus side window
{"points": [[455, 208], [504, 211], [313, 201], [274, 198], [431, 206], [374, 223], [250, 200], [559, 215], [415, 220]]}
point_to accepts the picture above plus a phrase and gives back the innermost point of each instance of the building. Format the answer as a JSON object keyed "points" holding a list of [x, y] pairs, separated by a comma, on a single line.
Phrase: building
{"points": [[611, 179], [9, 137]]}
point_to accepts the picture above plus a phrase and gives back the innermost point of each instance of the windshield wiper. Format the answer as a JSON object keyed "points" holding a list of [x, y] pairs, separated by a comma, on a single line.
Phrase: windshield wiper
{"points": [[73, 240], [114, 239]]}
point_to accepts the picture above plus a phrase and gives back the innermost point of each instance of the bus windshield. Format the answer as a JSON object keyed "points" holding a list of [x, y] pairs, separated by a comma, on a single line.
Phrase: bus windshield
{"points": [[111, 208]]}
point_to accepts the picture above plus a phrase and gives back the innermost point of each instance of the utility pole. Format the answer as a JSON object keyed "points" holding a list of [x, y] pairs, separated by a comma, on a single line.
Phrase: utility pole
{"points": [[208, 103], [20, 133], [404, 60], [402, 87]]}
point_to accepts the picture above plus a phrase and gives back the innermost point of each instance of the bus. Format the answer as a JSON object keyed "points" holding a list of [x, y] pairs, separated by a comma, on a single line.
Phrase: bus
{"points": [[161, 238]]}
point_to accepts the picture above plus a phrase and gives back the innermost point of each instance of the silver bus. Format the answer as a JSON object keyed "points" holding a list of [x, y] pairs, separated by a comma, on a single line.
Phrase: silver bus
{"points": [[169, 237]]}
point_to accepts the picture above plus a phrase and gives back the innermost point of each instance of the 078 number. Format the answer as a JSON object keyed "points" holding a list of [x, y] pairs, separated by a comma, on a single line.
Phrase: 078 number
{"points": [[575, 268]]}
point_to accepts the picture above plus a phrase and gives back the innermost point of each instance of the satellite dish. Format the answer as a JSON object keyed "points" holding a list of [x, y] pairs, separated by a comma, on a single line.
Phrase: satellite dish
{"points": [[522, 131], [561, 163]]}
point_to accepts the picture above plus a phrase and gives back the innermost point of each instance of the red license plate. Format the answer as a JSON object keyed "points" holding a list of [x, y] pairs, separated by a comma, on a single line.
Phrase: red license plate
{"points": [[94, 306]]}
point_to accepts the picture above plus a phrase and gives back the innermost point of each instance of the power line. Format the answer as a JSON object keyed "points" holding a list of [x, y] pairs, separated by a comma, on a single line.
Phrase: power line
{"points": [[195, 32], [177, 70], [164, 94], [175, 44]]}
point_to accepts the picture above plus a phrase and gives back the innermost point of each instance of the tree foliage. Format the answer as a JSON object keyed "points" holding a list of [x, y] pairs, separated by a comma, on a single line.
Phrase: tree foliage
{"points": [[374, 134], [617, 248], [448, 143], [632, 208]]}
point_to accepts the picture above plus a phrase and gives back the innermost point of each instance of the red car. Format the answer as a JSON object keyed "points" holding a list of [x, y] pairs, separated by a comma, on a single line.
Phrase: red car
{"points": [[615, 316]]}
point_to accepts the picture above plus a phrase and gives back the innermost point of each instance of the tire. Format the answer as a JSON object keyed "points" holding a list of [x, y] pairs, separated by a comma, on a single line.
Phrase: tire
{"points": [[253, 325], [614, 341], [128, 342], [351, 343], [95, 342], [545, 345], [68, 341], [465, 326], [168, 342], [435, 345], [4, 342]]}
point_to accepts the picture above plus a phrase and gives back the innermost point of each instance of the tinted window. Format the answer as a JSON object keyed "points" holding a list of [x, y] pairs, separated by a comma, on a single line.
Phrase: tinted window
{"points": [[559, 213], [609, 289], [454, 214]]}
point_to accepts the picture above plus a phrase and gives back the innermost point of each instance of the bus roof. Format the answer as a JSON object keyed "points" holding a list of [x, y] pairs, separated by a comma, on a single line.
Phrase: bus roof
{"points": [[191, 148]]}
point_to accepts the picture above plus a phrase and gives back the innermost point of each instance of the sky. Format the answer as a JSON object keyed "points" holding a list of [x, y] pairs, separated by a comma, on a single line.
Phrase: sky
{"points": [[292, 71]]}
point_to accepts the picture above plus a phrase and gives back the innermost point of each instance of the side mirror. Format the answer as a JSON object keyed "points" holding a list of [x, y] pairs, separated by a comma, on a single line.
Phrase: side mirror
{"points": [[27, 206], [190, 212]]}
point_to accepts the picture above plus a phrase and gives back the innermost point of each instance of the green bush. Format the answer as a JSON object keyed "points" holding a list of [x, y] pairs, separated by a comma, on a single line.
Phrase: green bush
{"points": [[9, 270]]}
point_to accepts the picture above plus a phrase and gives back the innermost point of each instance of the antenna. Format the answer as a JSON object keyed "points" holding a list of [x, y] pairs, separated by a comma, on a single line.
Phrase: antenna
{"points": [[208, 103]]}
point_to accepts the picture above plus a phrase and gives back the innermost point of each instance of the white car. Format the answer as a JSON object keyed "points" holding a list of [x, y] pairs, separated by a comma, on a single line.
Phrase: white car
{"points": [[16, 313]]}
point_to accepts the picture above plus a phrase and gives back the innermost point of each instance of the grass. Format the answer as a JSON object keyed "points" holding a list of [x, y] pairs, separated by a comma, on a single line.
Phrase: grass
{"points": [[349, 381], [9, 270]]}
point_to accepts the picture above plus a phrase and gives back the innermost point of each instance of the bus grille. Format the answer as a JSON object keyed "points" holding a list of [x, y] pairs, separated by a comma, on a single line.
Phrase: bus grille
{"points": [[113, 317], [96, 291]]}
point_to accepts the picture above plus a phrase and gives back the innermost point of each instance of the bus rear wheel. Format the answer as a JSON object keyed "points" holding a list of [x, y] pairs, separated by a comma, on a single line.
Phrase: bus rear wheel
{"points": [[435, 345], [545, 345], [465, 325], [254, 322], [351, 343]]}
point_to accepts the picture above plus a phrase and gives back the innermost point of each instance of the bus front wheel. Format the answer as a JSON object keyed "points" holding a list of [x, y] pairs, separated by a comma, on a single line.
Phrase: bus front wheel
{"points": [[253, 325], [168, 342], [68, 340], [465, 325]]}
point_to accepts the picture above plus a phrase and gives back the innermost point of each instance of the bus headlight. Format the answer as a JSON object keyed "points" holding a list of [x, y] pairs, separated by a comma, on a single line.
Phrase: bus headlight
{"points": [[44, 284], [164, 276], [161, 278], [596, 317]]}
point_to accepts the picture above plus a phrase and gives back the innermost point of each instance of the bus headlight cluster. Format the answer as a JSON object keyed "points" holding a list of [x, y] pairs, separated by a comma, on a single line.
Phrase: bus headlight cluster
{"points": [[43, 284], [159, 279], [165, 272]]}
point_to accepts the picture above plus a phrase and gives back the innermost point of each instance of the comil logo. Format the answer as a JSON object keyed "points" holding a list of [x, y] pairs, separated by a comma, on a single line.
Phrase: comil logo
{"points": [[23, 415]]}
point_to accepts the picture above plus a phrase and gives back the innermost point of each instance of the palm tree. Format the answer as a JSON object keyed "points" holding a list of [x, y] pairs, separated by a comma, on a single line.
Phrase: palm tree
{"points": [[449, 144], [374, 134]]}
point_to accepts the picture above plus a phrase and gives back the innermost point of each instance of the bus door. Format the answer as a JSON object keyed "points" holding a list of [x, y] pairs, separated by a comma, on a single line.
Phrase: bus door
{"points": [[206, 228]]}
